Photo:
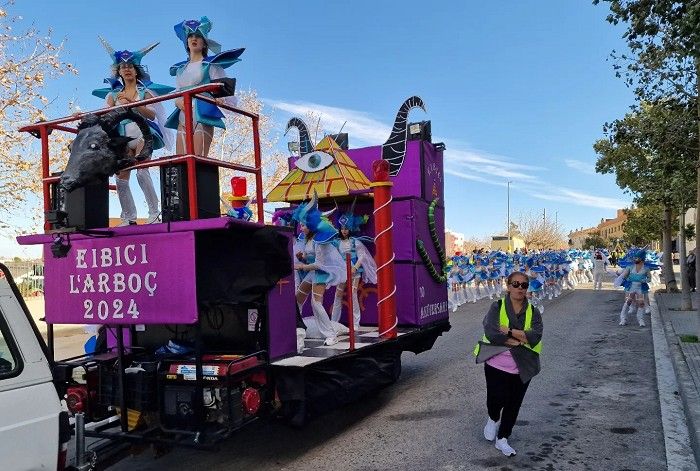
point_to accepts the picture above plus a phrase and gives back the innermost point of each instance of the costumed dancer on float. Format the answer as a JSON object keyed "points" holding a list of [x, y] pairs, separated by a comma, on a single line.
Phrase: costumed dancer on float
{"points": [[200, 68], [635, 281], [318, 264], [130, 82], [363, 265]]}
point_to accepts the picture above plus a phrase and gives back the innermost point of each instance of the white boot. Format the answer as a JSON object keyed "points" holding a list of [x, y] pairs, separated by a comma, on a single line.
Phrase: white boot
{"points": [[504, 447], [126, 200], [623, 314], [146, 183], [355, 305], [640, 317], [337, 305], [301, 336], [323, 321]]}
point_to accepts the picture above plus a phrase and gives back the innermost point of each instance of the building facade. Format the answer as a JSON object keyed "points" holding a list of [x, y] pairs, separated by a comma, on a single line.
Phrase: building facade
{"points": [[611, 230], [454, 243]]}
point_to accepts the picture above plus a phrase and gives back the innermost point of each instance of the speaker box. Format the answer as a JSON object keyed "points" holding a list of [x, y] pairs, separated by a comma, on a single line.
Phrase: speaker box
{"points": [[82, 208], [175, 197], [420, 131]]}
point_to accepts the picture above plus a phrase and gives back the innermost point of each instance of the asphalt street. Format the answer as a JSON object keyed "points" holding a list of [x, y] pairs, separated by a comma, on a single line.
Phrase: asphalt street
{"points": [[594, 406]]}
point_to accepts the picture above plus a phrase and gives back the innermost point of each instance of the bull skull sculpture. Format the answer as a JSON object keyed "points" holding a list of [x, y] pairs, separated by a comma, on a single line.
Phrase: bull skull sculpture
{"points": [[98, 151]]}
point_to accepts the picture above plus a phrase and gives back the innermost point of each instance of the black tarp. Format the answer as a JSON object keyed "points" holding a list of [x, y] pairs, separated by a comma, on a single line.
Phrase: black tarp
{"points": [[241, 264]]}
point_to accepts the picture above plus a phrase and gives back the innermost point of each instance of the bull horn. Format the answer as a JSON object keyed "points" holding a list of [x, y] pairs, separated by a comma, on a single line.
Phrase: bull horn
{"points": [[110, 120], [108, 48], [394, 149], [352, 206], [147, 49], [305, 145]]}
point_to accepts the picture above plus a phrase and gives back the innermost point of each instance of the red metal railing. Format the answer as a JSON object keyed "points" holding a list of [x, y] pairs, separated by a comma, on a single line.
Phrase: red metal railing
{"points": [[43, 129]]}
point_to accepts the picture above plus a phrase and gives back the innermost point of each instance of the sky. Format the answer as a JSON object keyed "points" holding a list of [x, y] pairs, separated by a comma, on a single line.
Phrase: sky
{"points": [[517, 90]]}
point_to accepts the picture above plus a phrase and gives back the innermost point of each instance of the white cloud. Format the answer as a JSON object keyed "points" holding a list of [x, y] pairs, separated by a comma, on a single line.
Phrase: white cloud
{"points": [[359, 125], [460, 161], [583, 167]]}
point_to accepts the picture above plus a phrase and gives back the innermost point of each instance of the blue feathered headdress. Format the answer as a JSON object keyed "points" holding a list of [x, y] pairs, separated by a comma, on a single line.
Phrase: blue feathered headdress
{"points": [[349, 221], [200, 28], [128, 57], [310, 216]]}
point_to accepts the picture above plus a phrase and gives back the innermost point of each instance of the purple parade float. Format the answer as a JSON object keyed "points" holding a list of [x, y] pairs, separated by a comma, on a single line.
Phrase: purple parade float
{"points": [[199, 315]]}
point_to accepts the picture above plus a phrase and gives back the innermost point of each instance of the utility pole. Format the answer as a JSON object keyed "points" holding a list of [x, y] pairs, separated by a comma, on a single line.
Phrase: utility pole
{"points": [[544, 214], [508, 216]]}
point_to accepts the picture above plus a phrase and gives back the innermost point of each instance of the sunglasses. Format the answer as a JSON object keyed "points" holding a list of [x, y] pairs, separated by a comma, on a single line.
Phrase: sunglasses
{"points": [[520, 284]]}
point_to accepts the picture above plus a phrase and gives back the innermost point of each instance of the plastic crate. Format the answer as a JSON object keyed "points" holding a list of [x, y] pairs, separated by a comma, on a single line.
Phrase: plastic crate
{"points": [[141, 387]]}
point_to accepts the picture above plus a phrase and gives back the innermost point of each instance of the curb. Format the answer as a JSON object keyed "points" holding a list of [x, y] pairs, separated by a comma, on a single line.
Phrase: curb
{"points": [[688, 390]]}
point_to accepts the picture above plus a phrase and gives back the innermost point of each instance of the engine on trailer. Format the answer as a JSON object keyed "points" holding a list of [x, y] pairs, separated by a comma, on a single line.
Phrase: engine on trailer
{"points": [[231, 396]]}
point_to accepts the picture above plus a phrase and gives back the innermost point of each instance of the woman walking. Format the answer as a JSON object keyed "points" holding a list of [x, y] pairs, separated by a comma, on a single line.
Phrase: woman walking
{"points": [[510, 348]]}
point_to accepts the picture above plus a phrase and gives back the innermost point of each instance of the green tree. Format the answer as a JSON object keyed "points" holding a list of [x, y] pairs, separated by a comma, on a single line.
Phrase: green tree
{"points": [[663, 38], [652, 152], [644, 225], [594, 240]]}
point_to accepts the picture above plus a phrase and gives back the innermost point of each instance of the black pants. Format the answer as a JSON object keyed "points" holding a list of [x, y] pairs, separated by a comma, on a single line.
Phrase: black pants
{"points": [[504, 392]]}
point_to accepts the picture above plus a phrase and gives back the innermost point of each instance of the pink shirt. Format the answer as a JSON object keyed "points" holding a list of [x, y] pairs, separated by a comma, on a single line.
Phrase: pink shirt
{"points": [[505, 362]]}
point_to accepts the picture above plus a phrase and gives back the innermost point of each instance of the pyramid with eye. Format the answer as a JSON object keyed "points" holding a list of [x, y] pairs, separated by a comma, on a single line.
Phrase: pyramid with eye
{"points": [[327, 170]]}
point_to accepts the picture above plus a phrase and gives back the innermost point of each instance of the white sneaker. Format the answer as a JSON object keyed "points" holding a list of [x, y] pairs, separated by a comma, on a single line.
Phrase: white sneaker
{"points": [[126, 222], [153, 218], [623, 323], [490, 429], [330, 341], [641, 323], [502, 444]]}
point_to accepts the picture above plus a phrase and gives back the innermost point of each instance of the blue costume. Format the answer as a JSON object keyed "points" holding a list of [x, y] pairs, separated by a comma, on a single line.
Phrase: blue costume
{"points": [[161, 138], [322, 263], [190, 74], [361, 260]]}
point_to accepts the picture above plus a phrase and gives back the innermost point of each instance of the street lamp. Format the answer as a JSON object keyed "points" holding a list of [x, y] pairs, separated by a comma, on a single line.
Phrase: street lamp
{"points": [[508, 216]]}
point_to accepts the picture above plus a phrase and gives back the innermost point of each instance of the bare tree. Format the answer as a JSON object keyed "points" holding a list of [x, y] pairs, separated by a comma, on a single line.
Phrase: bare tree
{"points": [[235, 144], [28, 60], [539, 232]]}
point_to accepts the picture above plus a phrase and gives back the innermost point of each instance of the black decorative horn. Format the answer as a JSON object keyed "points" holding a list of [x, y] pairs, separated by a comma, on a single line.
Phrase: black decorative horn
{"points": [[110, 120], [394, 149], [305, 145]]}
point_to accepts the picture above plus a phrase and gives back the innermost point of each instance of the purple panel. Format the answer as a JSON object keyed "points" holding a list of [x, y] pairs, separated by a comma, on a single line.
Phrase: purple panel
{"points": [[423, 301], [178, 226], [421, 175], [282, 314], [410, 224], [144, 279]]}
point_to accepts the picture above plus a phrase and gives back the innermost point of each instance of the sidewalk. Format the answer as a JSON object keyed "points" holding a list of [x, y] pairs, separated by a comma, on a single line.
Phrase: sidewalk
{"points": [[685, 357]]}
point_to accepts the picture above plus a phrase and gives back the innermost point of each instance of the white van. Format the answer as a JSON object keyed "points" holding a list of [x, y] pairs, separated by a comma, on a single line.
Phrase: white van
{"points": [[33, 429]]}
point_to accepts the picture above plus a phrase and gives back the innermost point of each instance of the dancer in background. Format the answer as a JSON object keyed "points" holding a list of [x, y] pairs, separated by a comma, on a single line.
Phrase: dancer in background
{"points": [[600, 264], [635, 281]]}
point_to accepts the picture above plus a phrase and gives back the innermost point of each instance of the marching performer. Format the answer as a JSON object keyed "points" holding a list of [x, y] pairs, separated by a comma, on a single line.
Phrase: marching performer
{"points": [[635, 281]]}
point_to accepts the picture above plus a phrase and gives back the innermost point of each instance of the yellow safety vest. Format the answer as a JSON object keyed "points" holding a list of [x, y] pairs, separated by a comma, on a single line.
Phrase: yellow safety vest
{"points": [[504, 322]]}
